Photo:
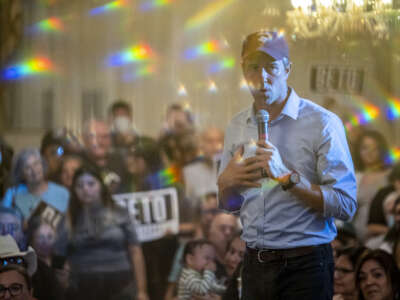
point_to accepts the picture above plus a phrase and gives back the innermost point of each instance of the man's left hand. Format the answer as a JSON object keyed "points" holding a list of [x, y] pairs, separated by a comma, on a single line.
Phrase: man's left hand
{"points": [[270, 160]]}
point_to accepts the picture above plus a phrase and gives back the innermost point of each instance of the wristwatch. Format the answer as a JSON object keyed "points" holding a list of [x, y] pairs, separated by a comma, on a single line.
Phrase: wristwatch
{"points": [[294, 178]]}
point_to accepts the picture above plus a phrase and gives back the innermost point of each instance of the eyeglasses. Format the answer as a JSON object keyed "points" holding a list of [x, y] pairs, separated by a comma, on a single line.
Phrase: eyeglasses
{"points": [[343, 271], [14, 289], [16, 260]]}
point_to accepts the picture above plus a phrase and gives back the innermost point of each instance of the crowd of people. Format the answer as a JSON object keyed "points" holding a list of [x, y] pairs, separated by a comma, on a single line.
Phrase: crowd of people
{"points": [[63, 235]]}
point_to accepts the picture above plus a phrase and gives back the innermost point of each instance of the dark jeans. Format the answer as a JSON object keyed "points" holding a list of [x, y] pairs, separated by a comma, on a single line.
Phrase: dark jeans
{"points": [[103, 286], [308, 276]]}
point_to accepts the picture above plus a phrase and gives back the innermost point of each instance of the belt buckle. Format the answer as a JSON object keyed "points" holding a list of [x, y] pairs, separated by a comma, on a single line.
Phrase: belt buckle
{"points": [[259, 253]]}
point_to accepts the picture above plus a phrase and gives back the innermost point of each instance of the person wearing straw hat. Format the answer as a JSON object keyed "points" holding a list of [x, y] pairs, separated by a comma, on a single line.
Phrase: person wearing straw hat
{"points": [[16, 270]]}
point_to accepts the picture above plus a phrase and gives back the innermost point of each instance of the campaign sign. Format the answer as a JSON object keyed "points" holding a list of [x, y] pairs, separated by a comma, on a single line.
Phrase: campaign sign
{"points": [[155, 213], [48, 213]]}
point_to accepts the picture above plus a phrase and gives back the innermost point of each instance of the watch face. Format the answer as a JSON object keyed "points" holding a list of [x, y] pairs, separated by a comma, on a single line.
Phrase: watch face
{"points": [[295, 178]]}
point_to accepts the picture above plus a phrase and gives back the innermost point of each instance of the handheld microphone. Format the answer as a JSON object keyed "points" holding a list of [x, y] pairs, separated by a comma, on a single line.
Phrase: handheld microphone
{"points": [[262, 124]]}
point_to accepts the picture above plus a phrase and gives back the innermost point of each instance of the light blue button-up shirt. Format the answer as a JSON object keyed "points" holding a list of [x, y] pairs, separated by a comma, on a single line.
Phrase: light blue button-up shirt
{"points": [[312, 141]]}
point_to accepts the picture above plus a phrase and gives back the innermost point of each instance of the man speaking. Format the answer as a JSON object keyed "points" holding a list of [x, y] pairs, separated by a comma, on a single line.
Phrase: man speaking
{"points": [[288, 187]]}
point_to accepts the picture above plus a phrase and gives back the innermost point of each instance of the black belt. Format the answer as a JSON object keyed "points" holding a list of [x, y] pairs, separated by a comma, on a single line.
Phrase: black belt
{"points": [[263, 255]]}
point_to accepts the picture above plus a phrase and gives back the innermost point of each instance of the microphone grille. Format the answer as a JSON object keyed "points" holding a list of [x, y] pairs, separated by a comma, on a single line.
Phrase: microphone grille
{"points": [[262, 116]]}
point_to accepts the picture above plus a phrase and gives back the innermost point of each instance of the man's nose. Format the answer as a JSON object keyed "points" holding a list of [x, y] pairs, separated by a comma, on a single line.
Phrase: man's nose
{"points": [[265, 75]]}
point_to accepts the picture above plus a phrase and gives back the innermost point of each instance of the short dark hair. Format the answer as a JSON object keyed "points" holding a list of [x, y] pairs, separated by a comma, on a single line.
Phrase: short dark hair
{"points": [[179, 107], [353, 253], [192, 245], [387, 262], [21, 270], [120, 104]]}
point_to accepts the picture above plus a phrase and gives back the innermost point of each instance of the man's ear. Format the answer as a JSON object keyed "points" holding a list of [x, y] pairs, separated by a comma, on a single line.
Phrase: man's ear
{"points": [[288, 68]]}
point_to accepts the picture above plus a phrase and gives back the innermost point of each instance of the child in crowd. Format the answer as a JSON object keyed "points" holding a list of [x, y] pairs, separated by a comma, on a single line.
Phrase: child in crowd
{"points": [[198, 277]]}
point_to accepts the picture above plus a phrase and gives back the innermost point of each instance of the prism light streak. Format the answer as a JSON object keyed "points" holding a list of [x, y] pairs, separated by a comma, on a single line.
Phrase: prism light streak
{"points": [[206, 48], [208, 13], [52, 24], [226, 63], [142, 71], [367, 112], [393, 109], [154, 4], [393, 155], [137, 53], [111, 6], [27, 68]]}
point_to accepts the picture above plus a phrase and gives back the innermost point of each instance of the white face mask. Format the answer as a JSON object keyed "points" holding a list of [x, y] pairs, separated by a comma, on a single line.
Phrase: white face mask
{"points": [[122, 124], [390, 220]]}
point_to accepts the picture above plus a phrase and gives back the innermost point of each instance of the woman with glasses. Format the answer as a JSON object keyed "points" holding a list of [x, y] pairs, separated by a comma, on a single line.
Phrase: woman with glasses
{"points": [[377, 277], [100, 244], [344, 275], [15, 283]]}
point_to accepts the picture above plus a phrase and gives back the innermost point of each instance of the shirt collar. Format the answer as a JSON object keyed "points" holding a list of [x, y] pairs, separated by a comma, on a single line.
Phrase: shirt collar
{"points": [[291, 108]]}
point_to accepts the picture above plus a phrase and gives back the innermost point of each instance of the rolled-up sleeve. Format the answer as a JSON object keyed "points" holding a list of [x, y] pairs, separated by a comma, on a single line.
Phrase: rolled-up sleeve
{"points": [[336, 172]]}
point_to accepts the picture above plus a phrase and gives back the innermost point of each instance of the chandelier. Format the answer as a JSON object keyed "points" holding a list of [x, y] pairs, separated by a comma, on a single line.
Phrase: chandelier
{"points": [[338, 18]]}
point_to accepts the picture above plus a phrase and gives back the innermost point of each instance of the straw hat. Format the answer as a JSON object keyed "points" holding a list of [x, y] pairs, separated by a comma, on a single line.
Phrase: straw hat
{"points": [[9, 248]]}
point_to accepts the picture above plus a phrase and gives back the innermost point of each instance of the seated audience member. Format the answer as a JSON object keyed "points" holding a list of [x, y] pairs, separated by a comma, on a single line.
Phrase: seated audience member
{"points": [[16, 269], [234, 255], [200, 176], [380, 219], [208, 210], [69, 164], [29, 171], [123, 130], [233, 264], [145, 165], [98, 151], [222, 229], [377, 276], [345, 238], [45, 283], [344, 274], [198, 274], [41, 235], [371, 152], [99, 242], [394, 232]]}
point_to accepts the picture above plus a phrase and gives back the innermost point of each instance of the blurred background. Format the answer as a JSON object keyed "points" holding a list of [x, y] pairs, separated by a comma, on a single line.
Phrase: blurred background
{"points": [[63, 62]]}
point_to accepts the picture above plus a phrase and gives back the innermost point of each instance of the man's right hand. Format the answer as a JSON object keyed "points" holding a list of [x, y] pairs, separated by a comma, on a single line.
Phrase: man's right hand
{"points": [[239, 172]]}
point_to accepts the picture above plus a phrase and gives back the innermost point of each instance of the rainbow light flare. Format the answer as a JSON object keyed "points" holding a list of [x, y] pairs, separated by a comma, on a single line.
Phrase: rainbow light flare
{"points": [[367, 113], [111, 6], [393, 156], [29, 67], [165, 177], [393, 109], [52, 24], [154, 4], [226, 63], [137, 53], [208, 13], [143, 71], [209, 47]]}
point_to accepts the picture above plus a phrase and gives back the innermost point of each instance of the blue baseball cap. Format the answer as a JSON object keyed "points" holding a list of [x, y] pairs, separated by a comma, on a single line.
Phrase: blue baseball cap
{"points": [[271, 43]]}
